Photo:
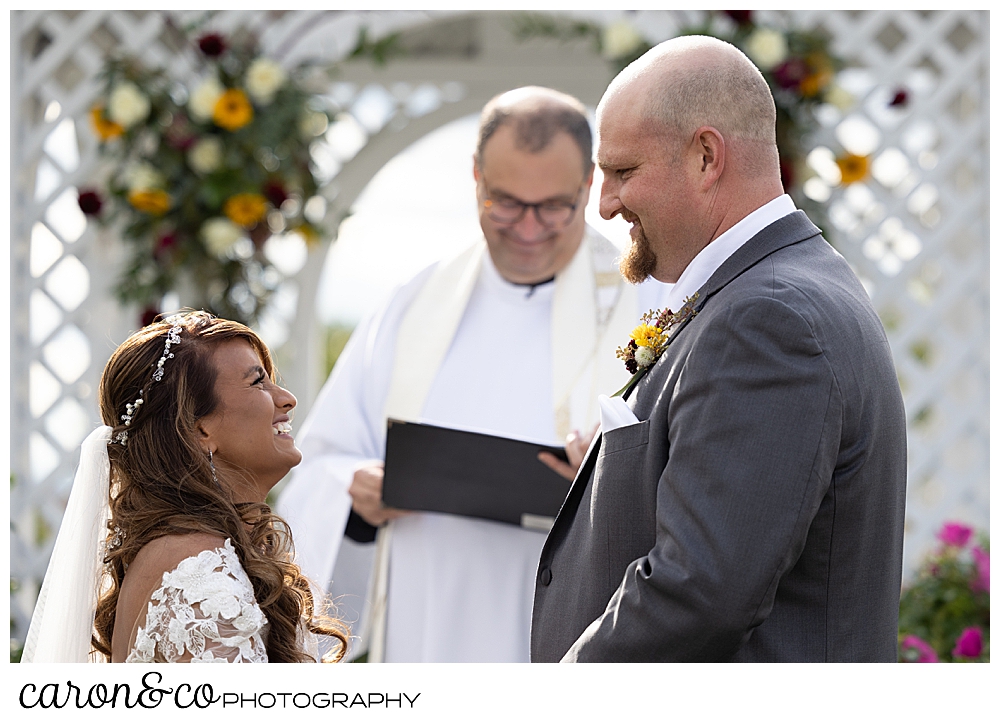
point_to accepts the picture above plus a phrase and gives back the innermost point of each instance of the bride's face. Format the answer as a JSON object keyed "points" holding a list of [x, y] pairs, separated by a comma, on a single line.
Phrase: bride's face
{"points": [[249, 433]]}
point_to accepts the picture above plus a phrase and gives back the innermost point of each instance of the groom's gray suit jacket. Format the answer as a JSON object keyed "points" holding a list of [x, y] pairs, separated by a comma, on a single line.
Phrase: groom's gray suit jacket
{"points": [[755, 513]]}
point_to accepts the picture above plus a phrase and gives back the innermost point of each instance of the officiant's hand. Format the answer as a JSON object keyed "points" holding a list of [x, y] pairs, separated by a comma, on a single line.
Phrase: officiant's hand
{"points": [[577, 445], [366, 496]]}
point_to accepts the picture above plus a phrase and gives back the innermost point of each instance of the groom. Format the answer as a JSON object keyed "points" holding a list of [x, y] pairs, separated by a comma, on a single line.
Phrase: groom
{"points": [[753, 508]]}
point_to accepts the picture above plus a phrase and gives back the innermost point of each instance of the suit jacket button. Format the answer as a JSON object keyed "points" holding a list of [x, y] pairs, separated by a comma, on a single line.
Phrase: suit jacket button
{"points": [[545, 577]]}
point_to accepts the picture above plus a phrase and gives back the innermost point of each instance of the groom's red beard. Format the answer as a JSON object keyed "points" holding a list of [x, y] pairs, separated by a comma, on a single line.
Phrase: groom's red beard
{"points": [[639, 262]]}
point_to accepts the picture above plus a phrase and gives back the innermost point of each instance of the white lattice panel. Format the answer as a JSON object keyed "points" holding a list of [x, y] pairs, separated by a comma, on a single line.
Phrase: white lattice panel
{"points": [[916, 232], [917, 235]]}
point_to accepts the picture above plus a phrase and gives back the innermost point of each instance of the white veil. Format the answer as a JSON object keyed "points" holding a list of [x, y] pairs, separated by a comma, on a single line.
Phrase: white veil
{"points": [[60, 632]]}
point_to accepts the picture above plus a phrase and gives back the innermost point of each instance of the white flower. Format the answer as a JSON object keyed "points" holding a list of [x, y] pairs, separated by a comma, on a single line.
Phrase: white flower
{"points": [[127, 105], [767, 47], [264, 77], [142, 176], [313, 123], [220, 234], [202, 102], [205, 155], [620, 40], [839, 98], [644, 356]]}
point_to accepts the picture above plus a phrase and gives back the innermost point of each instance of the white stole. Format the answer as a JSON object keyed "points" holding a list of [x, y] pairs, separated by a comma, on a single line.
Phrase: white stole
{"points": [[593, 311]]}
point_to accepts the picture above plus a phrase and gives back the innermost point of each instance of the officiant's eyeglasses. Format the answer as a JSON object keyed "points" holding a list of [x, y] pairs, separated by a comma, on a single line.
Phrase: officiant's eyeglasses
{"points": [[550, 214]]}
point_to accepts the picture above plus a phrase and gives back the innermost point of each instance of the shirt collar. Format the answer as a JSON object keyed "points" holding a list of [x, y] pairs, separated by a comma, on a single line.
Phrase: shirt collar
{"points": [[710, 258]]}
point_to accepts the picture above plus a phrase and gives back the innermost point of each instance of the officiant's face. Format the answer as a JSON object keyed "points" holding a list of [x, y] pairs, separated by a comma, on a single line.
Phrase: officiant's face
{"points": [[532, 248]]}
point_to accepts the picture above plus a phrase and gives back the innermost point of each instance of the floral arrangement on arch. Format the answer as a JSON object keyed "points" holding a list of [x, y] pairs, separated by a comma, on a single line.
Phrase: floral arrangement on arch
{"points": [[944, 616], [799, 67], [202, 176]]}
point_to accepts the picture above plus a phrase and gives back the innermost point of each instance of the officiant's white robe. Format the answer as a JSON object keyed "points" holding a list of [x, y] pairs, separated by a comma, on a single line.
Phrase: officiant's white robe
{"points": [[460, 589]]}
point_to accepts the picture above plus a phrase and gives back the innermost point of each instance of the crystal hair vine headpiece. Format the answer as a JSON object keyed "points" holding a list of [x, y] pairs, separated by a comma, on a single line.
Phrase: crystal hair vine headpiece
{"points": [[173, 337]]}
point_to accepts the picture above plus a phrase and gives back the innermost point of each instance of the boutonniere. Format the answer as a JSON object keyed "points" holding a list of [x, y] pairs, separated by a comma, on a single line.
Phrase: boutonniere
{"points": [[650, 339]]}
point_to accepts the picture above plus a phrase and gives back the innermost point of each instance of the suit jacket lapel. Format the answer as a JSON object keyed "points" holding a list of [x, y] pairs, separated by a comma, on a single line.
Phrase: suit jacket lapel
{"points": [[788, 230]]}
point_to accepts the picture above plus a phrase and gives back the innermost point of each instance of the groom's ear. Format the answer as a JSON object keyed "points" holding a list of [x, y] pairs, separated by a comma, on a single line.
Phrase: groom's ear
{"points": [[711, 149]]}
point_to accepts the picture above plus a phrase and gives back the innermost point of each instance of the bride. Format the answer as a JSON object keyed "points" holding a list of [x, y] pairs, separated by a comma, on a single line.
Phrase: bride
{"points": [[167, 551]]}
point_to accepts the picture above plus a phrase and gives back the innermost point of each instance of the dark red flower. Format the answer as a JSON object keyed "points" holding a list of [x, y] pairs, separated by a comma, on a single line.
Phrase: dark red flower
{"points": [[790, 73], [179, 133], [149, 315], [212, 45], [275, 193], [741, 17], [787, 173], [899, 99], [632, 366], [90, 202], [632, 345], [165, 242]]}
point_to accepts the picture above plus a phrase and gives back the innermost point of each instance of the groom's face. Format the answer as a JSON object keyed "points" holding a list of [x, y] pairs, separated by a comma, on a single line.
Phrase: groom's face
{"points": [[545, 236], [648, 182]]}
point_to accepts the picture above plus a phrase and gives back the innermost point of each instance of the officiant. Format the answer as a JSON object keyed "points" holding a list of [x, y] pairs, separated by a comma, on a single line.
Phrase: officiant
{"points": [[514, 336]]}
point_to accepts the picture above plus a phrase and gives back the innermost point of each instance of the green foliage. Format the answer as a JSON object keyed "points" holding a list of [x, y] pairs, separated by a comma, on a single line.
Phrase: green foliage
{"points": [[948, 597], [334, 340], [380, 51]]}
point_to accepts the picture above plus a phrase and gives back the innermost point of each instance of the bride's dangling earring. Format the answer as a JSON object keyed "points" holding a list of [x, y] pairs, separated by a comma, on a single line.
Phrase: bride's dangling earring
{"points": [[211, 464]]}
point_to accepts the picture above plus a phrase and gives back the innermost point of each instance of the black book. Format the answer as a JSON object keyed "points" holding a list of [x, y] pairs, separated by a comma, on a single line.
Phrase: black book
{"points": [[437, 469]]}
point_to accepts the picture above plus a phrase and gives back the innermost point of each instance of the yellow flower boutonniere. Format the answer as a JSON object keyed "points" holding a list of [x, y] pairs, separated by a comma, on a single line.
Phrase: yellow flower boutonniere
{"points": [[650, 339]]}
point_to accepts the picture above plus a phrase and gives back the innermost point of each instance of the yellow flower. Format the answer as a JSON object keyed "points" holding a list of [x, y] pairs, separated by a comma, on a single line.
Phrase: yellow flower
{"points": [[852, 168], [105, 129], [309, 234], [245, 209], [814, 83], [232, 110], [819, 77], [150, 200], [646, 335]]}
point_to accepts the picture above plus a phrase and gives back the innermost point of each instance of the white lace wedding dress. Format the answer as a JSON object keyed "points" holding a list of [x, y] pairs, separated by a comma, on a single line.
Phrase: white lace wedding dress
{"points": [[204, 612]]}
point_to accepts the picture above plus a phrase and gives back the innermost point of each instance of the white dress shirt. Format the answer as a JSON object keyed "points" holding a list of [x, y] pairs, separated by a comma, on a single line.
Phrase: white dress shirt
{"points": [[710, 258]]}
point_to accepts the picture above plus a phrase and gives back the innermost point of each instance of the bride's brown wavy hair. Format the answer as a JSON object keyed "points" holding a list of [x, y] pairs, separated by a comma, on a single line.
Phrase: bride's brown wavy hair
{"points": [[162, 481]]}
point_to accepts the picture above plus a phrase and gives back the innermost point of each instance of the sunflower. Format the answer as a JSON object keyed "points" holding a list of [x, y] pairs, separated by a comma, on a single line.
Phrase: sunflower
{"points": [[646, 335], [232, 110], [105, 129], [852, 168], [245, 209], [150, 200]]}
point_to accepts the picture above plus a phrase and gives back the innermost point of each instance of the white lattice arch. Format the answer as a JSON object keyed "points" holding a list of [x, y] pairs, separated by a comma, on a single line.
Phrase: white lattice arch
{"points": [[932, 294]]}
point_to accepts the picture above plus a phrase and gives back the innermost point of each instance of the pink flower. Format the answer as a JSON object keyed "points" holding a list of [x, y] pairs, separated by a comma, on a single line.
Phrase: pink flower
{"points": [[969, 644], [981, 583], [955, 534], [916, 650]]}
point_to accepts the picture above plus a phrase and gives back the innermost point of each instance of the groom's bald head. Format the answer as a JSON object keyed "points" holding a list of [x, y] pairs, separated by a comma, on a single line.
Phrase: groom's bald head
{"points": [[694, 81]]}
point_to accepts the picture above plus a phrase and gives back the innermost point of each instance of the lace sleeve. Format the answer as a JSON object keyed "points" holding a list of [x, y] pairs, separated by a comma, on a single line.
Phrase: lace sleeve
{"points": [[204, 612]]}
